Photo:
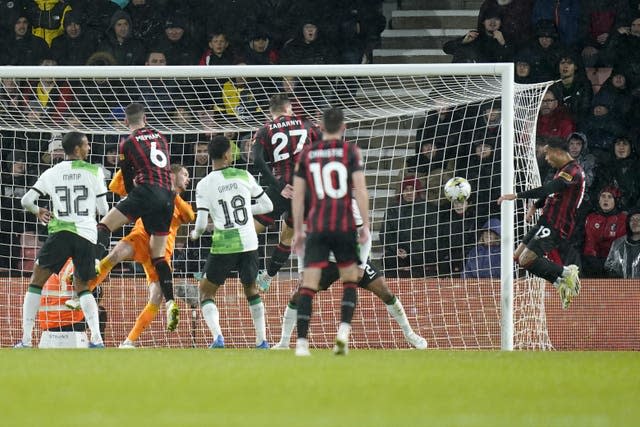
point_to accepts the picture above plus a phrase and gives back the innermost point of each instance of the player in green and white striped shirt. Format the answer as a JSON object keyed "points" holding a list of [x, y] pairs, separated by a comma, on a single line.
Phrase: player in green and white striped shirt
{"points": [[77, 192], [226, 195]]}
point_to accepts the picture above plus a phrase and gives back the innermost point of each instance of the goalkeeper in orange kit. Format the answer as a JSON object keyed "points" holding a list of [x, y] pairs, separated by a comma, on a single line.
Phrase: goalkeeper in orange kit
{"points": [[135, 246]]}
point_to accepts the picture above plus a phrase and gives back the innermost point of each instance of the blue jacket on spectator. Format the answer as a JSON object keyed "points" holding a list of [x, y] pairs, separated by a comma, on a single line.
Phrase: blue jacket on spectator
{"points": [[483, 261]]}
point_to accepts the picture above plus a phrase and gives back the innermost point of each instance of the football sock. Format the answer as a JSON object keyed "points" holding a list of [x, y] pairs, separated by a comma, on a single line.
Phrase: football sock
{"points": [[211, 317], [396, 310], [164, 276], [305, 301], [104, 269], [546, 269], [90, 311], [104, 239], [256, 306], [349, 300], [279, 257], [288, 322], [144, 319], [30, 307]]}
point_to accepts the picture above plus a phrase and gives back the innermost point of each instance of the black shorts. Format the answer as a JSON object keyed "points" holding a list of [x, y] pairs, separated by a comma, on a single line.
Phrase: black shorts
{"points": [[318, 246], [281, 208], [542, 239], [331, 274], [63, 245], [153, 204], [218, 267]]}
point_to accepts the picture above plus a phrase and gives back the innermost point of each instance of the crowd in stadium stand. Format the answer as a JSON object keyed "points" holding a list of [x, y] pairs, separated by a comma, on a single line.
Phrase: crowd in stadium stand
{"points": [[591, 48]]}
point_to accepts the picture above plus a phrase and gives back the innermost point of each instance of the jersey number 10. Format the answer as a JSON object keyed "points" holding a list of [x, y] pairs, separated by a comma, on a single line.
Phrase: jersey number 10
{"points": [[324, 183]]}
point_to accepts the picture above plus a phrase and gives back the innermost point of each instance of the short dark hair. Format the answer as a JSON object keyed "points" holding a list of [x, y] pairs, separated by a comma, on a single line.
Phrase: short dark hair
{"points": [[557, 143], [134, 112], [218, 146], [333, 118], [71, 140], [278, 102]]}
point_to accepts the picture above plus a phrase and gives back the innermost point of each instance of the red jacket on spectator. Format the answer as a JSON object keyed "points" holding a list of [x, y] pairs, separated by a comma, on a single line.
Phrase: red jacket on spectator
{"points": [[601, 230], [559, 123]]}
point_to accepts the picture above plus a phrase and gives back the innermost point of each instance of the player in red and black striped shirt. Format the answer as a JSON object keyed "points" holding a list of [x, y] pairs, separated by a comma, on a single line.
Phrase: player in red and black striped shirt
{"points": [[277, 146], [144, 161], [559, 199], [330, 171]]}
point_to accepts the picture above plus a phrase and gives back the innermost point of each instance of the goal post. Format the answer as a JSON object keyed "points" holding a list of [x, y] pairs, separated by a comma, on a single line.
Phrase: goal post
{"points": [[385, 106]]}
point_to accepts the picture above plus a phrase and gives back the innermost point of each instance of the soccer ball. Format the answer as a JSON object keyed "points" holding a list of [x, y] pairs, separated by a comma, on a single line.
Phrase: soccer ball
{"points": [[457, 189]]}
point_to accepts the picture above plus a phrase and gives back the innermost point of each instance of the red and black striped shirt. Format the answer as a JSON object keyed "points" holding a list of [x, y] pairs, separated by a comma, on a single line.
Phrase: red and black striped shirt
{"points": [[282, 140], [327, 168], [560, 208], [144, 158]]}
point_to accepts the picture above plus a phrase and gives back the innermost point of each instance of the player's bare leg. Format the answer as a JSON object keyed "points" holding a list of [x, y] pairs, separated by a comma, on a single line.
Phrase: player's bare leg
{"points": [[146, 316], [309, 288], [564, 279], [157, 245], [396, 310], [256, 307], [349, 275], [278, 258], [210, 311]]}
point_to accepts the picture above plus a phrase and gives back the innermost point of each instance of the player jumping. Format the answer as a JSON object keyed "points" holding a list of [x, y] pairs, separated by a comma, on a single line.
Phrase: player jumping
{"points": [[559, 199]]}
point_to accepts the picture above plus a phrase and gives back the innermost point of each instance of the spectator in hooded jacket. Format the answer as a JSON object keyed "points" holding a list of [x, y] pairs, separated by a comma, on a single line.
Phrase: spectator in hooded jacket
{"points": [[120, 43], [544, 51], [599, 21], [47, 18], [602, 227], [624, 51], [75, 46], [485, 44], [408, 233], [565, 14], [516, 18], [579, 150], [622, 169], [176, 43], [23, 48], [146, 19], [258, 50], [483, 261], [574, 88], [618, 88], [522, 71], [602, 125], [457, 227], [308, 47], [623, 260]]}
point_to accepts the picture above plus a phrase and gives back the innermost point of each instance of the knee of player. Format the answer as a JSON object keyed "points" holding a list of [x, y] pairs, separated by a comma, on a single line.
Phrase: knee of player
{"points": [[155, 293], [207, 289], [250, 289], [380, 289]]}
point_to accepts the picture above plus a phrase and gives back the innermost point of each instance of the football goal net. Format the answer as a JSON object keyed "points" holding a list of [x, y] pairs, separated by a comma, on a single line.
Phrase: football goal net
{"points": [[417, 126]]}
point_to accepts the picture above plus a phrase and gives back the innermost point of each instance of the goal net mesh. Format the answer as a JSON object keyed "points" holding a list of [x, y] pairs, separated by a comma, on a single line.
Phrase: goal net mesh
{"points": [[415, 132]]}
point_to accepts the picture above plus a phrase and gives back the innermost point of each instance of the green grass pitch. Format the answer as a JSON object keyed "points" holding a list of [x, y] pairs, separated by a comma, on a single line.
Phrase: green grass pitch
{"points": [[163, 387]]}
